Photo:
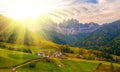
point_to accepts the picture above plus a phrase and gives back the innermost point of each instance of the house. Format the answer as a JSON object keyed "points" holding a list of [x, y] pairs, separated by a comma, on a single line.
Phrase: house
{"points": [[44, 54], [57, 54], [40, 54]]}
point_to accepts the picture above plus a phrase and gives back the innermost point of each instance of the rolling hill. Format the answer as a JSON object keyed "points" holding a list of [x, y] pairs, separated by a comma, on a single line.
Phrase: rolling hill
{"points": [[15, 36]]}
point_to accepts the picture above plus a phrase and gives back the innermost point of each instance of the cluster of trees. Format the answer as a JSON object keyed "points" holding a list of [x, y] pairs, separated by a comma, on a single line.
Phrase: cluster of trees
{"points": [[89, 54], [15, 48], [19, 36], [106, 39]]}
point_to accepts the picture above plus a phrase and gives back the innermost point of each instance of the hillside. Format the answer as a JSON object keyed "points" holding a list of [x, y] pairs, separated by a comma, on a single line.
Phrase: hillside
{"points": [[106, 38], [14, 32], [15, 36], [60, 38]]}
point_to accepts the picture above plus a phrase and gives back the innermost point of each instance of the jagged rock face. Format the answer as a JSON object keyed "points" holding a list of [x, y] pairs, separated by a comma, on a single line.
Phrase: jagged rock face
{"points": [[69, 27], [74, 27]]}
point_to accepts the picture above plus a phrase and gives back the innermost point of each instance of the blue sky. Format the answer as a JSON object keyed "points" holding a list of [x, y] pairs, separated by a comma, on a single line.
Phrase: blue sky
{"points": [[88, 1]]}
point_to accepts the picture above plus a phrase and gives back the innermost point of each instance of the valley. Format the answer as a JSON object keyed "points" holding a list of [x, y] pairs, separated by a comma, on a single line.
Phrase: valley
{"points": [[59, 47]]}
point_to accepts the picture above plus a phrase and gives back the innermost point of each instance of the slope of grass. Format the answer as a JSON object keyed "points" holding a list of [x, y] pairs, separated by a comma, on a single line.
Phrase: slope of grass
{"points": [[69, 66], [5, 70], [7, 62], [77, 66], [10, 58]]}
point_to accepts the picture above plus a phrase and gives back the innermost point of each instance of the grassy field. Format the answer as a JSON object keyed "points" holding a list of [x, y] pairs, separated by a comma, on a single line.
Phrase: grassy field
{"points": [[10, 58], [68, 66]]}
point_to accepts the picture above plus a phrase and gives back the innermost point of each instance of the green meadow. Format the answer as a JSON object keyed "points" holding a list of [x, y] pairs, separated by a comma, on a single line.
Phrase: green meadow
{"points": [[10, 58]]}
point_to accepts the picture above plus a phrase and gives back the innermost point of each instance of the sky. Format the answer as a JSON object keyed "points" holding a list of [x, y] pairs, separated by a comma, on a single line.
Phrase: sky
{"points": [[99, 11]]}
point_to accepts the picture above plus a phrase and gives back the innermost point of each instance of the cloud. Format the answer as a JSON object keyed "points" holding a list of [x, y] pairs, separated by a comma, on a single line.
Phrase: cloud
{"points": [[106, 1], [102, 1], [101, 12]]}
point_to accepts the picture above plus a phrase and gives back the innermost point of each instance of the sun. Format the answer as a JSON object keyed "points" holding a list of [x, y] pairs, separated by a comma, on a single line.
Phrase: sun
{"points": [[20, 9]]}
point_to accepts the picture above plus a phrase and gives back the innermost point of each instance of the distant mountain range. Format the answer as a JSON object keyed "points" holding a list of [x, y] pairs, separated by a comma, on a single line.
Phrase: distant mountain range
{"points": [[68, 27], [69, 31], [73, 27]]}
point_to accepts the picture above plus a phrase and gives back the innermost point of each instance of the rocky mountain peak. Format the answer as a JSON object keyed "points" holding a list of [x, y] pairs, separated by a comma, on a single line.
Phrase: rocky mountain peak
{"points": [[72, 26]]}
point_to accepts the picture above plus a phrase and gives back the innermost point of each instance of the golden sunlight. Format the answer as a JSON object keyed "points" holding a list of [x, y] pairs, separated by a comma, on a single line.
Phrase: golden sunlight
{"points": [[21, 9]]}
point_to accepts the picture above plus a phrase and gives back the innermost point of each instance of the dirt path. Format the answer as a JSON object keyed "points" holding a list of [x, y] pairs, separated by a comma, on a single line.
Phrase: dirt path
{"points": [[13, 68], [25, 63]]}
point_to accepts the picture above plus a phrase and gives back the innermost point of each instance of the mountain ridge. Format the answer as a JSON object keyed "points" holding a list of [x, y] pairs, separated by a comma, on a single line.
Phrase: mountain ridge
{"points": [[103, 39]]}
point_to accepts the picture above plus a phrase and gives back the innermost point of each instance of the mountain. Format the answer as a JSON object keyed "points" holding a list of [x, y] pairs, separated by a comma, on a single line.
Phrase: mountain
{"points": [[68, 31], [106, 38], [73, 27]]}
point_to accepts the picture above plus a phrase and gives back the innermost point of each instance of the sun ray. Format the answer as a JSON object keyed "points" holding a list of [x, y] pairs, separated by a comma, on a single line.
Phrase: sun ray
{"points": [[22, 8]]}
